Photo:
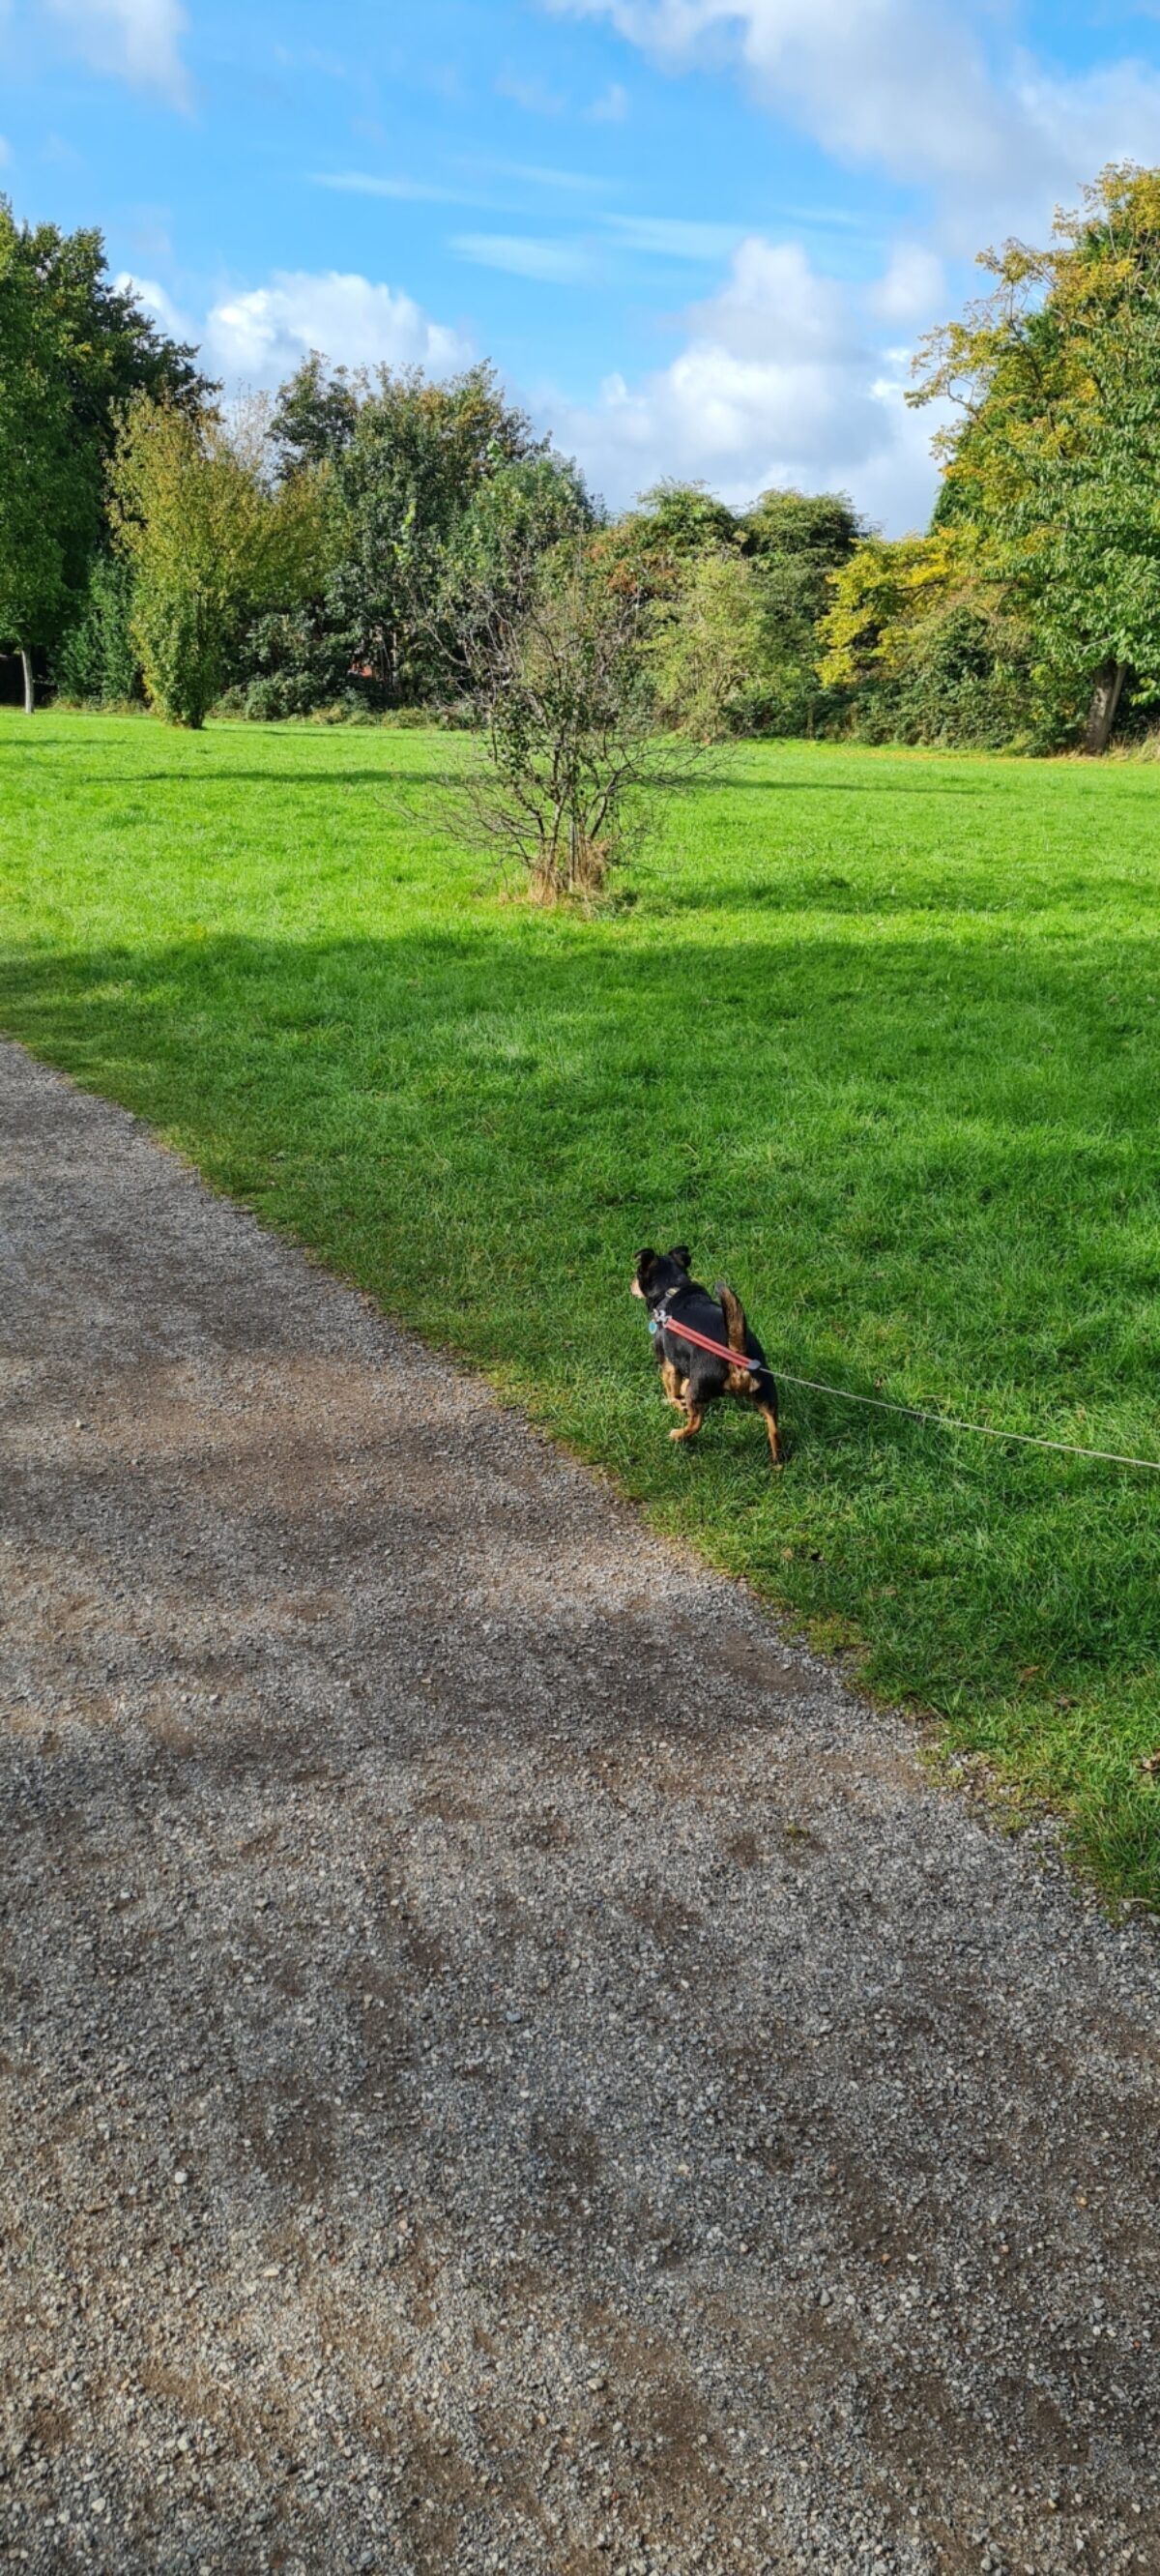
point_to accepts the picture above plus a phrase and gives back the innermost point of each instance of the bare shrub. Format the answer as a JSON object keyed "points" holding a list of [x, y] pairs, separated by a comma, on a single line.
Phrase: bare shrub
{"points": [[560, 681]]}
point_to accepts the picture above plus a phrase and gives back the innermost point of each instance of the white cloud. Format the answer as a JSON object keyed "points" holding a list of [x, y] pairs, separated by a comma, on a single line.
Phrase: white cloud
{"points": [[910, 86], [611, 107], [259, 336], [1109, 115], [137, 40], [898, 81], [896, 483], [368, 183], [5, 152], [777, 382], [158, 303], [914, 288], [551, 263], [538, 176], [672, 237]]}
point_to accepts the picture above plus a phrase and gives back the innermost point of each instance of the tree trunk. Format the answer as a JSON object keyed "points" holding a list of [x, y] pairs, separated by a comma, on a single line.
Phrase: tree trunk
{"points": [[29, 696], [1106, 690]]}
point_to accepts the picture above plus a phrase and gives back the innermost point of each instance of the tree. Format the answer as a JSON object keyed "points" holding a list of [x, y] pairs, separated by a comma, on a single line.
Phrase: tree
{"points": [[738, 596], [709, 646], [917, 643], [1056, 459], [97, 660], [651, 548], [43, 493], [798, 542], [886, 588], [210, 544], [403, 483], [73, 347], [678, 555], [430, 489], [561, 690], [515, 516], [315, 416], [35, 463]]}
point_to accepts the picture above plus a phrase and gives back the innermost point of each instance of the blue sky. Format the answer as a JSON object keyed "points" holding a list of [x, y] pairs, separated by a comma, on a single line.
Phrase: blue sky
{"points": [[698, 237]]}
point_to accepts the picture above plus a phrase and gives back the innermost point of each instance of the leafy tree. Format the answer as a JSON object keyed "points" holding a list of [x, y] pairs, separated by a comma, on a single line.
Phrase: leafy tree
{"points": [[515, 516], [294, 662], [885, 588], [316, 415], [210, 545], [678, 554], [798, 541], [35, 469], [403, 484], [650, 548], [73, 348], [429, 490], [917, 644], [737, 597], [709, 646], [1056, 459]]}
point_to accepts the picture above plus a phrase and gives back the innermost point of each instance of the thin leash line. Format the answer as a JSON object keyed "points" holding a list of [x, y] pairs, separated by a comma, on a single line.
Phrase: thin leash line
{"points": [[884, 1404], [983, 1430]]}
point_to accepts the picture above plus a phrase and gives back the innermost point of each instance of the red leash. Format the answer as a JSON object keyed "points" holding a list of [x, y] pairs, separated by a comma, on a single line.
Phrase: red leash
{"points": [[720, 1350]]}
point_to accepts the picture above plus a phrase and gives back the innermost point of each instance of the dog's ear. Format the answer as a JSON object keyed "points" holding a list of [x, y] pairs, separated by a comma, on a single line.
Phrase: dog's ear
{"points": [[681, 1254], [645, 1260]]}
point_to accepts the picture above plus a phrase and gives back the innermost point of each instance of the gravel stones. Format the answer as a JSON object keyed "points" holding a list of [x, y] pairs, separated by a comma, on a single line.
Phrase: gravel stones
{"points": [[506, 2063]]}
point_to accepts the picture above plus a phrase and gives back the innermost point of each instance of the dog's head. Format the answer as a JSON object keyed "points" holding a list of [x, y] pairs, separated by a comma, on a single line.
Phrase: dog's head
{"points": [[658, 1273]]}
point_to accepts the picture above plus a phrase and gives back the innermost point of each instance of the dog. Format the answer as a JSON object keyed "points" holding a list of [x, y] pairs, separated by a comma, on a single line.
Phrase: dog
{"points": [[692, 1378]]}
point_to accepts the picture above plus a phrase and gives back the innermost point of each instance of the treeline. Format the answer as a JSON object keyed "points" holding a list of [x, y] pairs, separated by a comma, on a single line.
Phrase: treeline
{"points": [[332, 550]]}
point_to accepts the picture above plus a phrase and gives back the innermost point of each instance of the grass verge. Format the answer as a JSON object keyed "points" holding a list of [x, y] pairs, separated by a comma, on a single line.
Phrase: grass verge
{"points": [[878, 1034]]}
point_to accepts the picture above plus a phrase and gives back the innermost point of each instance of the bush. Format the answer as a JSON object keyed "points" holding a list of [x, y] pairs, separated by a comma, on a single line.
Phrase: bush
{"points": [[562, 694], [959, 681], [98, 663], [292, 662]]}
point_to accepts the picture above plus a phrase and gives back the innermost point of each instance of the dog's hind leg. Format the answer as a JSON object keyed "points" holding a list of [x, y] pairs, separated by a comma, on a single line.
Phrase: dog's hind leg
{"points": [[672, 1382], [696, 1414], [769, 1411]]}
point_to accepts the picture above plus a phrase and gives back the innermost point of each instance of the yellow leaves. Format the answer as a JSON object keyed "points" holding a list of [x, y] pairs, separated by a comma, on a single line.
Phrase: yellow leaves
{"points": [[884, 590]]}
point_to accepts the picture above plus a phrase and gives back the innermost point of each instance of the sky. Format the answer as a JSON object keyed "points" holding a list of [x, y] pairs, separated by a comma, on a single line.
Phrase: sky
{"points": [[699, 238]]}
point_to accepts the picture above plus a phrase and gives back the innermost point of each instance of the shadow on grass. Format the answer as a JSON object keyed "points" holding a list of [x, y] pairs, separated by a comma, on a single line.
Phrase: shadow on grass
{"points": [[199, 782]]}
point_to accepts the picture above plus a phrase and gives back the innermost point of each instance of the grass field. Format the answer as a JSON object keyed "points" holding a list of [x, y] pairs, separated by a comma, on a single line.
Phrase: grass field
{"points": [[878, 1034]]}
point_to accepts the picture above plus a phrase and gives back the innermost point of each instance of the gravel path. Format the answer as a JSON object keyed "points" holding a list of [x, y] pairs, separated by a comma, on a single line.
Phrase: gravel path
{"points": [[507, 2064]]}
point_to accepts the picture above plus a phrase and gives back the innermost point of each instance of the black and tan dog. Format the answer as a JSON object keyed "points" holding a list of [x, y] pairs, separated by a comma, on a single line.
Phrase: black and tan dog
{"points": [[693, 1378]]}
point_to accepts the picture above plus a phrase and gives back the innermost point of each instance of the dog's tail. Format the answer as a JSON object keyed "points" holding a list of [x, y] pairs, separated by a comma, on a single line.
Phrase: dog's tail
{"points": [[739, 1380], [756, 1380], [734, 1314]]}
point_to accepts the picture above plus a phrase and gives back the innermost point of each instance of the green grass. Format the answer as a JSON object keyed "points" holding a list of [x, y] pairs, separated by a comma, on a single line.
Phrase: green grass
{"points": [[879, 1034]]}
